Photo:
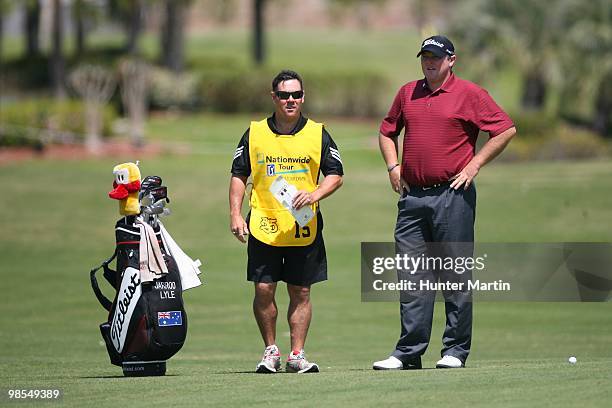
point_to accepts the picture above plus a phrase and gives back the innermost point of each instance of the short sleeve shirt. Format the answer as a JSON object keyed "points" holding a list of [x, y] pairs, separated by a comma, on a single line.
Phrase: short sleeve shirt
{"points": [[441, 127]]}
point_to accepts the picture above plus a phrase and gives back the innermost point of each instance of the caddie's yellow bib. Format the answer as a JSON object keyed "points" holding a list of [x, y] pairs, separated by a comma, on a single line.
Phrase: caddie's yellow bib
{"points": [[295, 157]]}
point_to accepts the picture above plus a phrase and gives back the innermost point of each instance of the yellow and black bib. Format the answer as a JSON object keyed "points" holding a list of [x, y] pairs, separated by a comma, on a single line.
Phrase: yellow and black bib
{"points": [[295, 157]]}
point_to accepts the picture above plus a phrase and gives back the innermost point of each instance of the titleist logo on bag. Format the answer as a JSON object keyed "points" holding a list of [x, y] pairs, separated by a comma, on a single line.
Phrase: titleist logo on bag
{"points": [[127, 297]]}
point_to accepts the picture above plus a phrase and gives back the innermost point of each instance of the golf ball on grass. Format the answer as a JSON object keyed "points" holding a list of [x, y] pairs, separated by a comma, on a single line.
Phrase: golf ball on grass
{"points": [[572, 360]]}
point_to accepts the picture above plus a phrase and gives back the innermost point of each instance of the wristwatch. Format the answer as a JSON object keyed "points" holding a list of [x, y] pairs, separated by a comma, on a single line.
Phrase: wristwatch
{"points": [[389, 168]]}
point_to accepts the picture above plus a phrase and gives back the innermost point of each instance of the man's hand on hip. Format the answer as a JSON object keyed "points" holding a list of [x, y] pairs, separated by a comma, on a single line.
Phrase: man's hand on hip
{"points": [[466, 176], [490, 150]]}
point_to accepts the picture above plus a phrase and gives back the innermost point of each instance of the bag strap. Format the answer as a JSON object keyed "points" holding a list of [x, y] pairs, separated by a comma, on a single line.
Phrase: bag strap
{"points": [[104, 301]]}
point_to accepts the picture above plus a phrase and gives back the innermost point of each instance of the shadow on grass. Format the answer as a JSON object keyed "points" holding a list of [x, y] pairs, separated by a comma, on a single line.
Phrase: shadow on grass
{"points": [[248, 372], [371, 369], [323, 371], [123, 376]]}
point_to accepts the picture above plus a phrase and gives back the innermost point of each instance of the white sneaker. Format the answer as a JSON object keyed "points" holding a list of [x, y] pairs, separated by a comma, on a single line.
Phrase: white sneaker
{"points": [[297, 363], [271, 362], [449, 362], [392, 363]]}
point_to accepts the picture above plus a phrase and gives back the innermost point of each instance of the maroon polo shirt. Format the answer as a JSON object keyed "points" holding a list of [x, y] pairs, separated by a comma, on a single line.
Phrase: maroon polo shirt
{"points": [[441, 127]]}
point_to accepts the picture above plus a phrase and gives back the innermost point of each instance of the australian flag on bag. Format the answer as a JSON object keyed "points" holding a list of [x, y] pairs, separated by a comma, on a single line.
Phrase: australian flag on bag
{"points": [[174, 318]]}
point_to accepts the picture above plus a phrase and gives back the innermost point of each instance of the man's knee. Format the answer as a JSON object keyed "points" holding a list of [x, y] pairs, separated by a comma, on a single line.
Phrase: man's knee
{"points": [[299, 294], [264, 292]]}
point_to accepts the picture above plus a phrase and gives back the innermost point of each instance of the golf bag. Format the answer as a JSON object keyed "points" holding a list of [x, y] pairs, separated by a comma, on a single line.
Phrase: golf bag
{"points": [[147, 320], [146, 323]]}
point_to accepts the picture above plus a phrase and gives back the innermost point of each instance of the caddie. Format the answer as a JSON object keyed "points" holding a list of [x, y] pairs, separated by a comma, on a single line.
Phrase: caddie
{"points": [[290, 151]]}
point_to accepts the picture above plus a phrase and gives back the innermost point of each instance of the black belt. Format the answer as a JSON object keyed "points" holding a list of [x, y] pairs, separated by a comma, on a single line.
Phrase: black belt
{"points": [[444, 183]]}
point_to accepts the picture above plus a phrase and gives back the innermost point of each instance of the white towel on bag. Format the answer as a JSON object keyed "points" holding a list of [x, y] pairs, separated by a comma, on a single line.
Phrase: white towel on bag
{"points": [[151, 261], [188, 268]]}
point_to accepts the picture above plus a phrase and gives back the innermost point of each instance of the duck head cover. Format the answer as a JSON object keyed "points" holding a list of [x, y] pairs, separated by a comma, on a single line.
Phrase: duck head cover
{"points": [[125, 188], [146, 323]]}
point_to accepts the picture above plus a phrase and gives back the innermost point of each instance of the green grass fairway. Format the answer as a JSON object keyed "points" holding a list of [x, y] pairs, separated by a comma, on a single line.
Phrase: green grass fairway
{"points": [[57, 222]]}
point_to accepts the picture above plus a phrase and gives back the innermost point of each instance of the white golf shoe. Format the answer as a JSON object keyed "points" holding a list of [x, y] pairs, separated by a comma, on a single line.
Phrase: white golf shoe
{"points": [[297, 363], [391, 363], [449, 362], [270, 363]]}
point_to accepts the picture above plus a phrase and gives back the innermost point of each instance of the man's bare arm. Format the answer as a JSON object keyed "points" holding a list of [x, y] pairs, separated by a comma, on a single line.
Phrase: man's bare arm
{"points": [[238, 225], [488, 152], [329, 184], [388, 148]]}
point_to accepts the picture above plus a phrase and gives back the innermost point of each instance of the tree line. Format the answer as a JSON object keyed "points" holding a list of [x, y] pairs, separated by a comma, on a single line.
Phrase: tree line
{"points": [[84, 13], [563, 46], [560, 45]]}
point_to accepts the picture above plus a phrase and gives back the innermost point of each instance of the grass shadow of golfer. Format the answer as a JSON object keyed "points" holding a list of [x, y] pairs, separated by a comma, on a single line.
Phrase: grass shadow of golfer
{"points": [[372, 370], [123, 376], [244, 372]]}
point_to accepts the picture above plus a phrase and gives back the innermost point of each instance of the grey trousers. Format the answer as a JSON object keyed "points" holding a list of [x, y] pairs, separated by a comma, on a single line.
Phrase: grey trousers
{"points": [[433, 221]]}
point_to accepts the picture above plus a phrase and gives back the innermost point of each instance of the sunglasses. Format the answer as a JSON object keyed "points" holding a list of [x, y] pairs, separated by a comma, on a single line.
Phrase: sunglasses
{"points": [[285, 95]]}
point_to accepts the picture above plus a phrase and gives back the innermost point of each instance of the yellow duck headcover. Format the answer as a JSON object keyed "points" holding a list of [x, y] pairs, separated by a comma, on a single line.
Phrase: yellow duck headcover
{"points": [[126, 187]]}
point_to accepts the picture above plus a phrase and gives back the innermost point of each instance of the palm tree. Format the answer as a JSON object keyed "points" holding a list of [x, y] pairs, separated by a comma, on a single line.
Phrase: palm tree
{"points": [[57, 63], [32, 25], [131, 15], [525, 33], [134, 25], [173, 35], [587, 61], [259, 53], [3, 11]]}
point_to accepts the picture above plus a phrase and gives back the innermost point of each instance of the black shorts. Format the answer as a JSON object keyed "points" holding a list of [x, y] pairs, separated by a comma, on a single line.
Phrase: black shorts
{"points": [[300, 266]]}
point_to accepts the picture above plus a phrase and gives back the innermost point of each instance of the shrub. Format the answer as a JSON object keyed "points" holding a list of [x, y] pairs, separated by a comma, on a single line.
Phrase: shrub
{"points": [[561, 143], [170, 90], [23, 123], [571, 143], [535, 124], [235, 88], [27, 73], [521, 149], [347, 93]]}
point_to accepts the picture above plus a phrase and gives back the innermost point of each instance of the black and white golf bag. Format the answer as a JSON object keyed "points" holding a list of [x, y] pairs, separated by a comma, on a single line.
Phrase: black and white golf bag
{"points": [[147, 323]]}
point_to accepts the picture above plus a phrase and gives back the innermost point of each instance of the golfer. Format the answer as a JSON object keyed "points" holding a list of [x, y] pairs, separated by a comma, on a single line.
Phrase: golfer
{"points": [[441, 115], [290, 146]]}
